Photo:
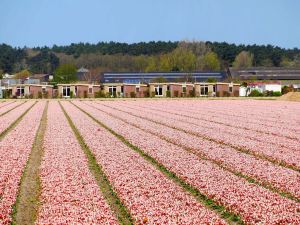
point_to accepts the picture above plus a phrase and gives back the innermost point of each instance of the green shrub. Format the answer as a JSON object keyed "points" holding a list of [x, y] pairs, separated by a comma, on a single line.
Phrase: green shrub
{"points": [[192, 93], [71, 94], [286, 89], [132, 94], [40, 94], [255, 93], [100, 94], [276, 93], [168, 94], [152, 94], [272, 93], [46, 95]]}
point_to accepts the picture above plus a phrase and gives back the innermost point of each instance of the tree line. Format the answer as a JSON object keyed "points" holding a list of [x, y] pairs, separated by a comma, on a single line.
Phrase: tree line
{"points": [[146, 56]]}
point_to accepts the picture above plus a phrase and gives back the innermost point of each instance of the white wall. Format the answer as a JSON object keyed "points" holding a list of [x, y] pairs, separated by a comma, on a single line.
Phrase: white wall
{"points": [[272, 87], [243, 91]]}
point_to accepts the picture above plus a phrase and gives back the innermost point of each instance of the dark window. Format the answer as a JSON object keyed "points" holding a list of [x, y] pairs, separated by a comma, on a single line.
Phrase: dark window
{"points": [[204, 90], [112, 91], [66, 91], [158, 90], [230, 88], [20, 91], [184, 89]]}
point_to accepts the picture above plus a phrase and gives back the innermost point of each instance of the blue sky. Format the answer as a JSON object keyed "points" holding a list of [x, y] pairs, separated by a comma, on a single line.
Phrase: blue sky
{"points": [[61, 22]]}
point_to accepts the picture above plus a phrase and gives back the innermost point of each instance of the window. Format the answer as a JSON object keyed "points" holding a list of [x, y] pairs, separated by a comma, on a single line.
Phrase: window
{"points": [[137, 89], [122, 89], [66, 91], [44, 90], [230, 89], [204, 90], [112, 91], [76, 89], [158, 90], [214, 88], [20, 91], [184, 89], [90, 90]]}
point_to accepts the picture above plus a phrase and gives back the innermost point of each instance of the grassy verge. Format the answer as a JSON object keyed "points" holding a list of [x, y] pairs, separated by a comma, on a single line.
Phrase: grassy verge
{"points": [[15, 123], [250, 179], [25, 209], [106, 188], [229, 216]]}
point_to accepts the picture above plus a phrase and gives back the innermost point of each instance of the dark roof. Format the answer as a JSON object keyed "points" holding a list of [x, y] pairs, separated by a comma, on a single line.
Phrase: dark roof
{"points": [[267, 73], [136, 77]]}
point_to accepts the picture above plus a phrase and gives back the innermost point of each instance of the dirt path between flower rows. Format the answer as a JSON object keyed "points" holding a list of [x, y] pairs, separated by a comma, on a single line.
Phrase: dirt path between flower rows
{"points": [[26, 208]]}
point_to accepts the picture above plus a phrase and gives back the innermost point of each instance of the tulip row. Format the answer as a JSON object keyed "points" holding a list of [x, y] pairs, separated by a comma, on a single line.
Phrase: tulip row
{"points": [[150, 197], [70, 194], [253, 203], [288, 156], [253, 131], [263, 111], [8, 106], [14, 151], [277, 114], [7, 119], [4, 103], [263, 171], [203, 113]]}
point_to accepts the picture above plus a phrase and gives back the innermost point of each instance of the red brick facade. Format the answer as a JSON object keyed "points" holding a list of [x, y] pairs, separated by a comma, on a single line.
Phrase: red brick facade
{"points": [[135, 91]]}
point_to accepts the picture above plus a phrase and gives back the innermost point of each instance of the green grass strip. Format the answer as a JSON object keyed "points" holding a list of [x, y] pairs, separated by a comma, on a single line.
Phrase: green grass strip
{"points": [[25, 210], [106, 188], [229, 216]]}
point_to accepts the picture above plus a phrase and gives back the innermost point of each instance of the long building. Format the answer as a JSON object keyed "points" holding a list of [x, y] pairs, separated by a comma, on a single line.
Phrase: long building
{"points": [[264, 73], [136, 77]]}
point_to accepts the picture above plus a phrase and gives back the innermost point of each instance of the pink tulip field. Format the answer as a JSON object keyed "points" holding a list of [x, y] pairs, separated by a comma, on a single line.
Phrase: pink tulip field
{"points": [[152, 161]]}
